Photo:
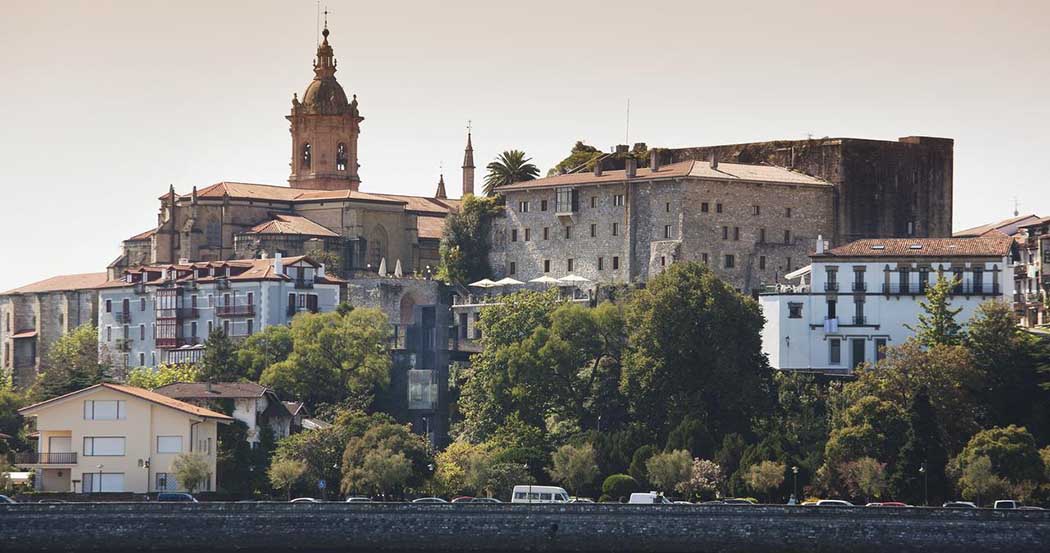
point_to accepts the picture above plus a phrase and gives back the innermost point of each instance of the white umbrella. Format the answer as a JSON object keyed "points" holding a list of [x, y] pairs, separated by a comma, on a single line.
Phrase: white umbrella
{"points": [[397, 269], [573, 279], [507, 281], [382, 267], [483, 283], [545, 280]]}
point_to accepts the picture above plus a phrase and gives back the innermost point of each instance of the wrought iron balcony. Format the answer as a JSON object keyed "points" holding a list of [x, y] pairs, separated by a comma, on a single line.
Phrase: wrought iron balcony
{"points": [[123, 344], [860, 286], [831, 286], [235, 310], [304, 284], [122, 317], [34, 458]]}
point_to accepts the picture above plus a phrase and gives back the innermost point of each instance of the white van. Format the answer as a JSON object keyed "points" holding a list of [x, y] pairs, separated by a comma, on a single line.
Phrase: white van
{"points": [[649, 498], [539, 494]]}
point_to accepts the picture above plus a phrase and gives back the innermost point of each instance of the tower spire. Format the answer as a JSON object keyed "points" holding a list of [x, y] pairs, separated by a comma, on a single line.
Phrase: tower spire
{"points": [[440, 194], [468, 164]]}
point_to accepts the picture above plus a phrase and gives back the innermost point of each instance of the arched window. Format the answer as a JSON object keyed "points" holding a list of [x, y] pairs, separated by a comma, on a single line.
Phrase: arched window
{"points": [[306, 156], [340, 157], [377, 246]]}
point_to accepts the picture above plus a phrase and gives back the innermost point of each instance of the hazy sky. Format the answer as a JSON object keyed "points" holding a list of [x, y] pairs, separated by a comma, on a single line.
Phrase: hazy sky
{"points": [[104, 104]]}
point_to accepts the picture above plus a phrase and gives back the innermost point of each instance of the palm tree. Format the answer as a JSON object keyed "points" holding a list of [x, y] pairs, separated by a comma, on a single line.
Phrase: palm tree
{"points": [[509, 167]]}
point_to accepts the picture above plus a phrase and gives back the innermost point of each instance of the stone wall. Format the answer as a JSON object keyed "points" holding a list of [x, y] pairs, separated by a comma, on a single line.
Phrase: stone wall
{"points": [[263, 527]]}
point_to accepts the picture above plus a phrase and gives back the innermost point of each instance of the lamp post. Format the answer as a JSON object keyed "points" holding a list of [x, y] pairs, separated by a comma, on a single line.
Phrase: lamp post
{"points": [[99, 466], [794, 474], [925, 485]]}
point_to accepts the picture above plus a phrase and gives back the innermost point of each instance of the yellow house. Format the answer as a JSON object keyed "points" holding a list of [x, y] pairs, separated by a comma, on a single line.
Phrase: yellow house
{"points": [[115, 438]]}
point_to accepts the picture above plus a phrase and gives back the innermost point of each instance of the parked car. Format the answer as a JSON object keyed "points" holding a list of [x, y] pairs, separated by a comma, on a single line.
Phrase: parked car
{"points": [[359, 499], [737, 501], [1006, 504], [834, 503], [581, 500], [539, 494], [1030, 508], [648, 498], [429, 500], [462, 499], [51, 501], [887, 504], [485, 500], [5, 499], [306, 500], [176, 497], [959, 505]]}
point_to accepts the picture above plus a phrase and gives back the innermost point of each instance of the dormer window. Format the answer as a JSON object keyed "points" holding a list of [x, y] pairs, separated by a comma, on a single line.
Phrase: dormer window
{"points": [[340, 157], [306, 159]]}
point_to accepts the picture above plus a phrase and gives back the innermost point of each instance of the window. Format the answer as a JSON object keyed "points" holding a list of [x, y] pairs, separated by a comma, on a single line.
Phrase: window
{"points": [[514, 235], [513, 267], [880, 349], [756, 210], [566, 201], [600, 267], [109, 306], [546, 265], [730, 261], [568, 265], [523, 207], [340, 157], [226, 327], [142, 304], [787, 212], [618, 200], [193, 329], [543, 205], [211, 326], [594, 230], [834, 351], [788, 265], [761, 262], [166, 482], [251, 326], [142, 359], [857, 345], [663, 261], [251, 298], [142, 332], [105, 410], [616, 263], [103, 482], [787, 236], [718, 208], [725, 233], [858, 308], [911, 228], [736, 233], [528, 234], [703, 257], [667, 231], [103, 446], [305, 162], [153, 358], [169, 444], [667, 207], [616, 229], [704, 207], [594, 201], [761, 236], [568, 233], [109, 334], [832, 311], [546, 233], [794, 310]]}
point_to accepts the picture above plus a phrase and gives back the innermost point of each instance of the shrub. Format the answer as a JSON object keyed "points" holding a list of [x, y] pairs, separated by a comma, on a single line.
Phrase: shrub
{"points": [[618, 487]]}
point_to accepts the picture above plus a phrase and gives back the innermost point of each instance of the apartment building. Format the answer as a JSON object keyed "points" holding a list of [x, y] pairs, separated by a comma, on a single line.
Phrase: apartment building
{"points": [[114, 438], [854, 300], [155, 315], [258, 407], [1033, 273]]}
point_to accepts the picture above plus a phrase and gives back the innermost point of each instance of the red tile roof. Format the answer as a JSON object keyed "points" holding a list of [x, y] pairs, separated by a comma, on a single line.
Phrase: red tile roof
{"points": [[144, 235], [986, 246], [141, 394], [430, 227], [203, 390], [62, 283], [1007, 227], [292, 224], [254, 269], [690, 168]]}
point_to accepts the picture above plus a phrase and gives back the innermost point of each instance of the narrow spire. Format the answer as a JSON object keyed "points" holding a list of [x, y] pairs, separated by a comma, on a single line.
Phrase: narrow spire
{"points": [[440, 194], [468, 164]]}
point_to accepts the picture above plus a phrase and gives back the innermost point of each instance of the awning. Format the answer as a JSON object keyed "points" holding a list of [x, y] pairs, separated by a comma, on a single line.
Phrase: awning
{"points": [[799, 272], [24, 334]]}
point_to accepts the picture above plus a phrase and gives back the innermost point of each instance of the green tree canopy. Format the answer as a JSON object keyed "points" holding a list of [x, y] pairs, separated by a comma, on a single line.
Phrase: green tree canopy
{"points": [[262, 349], [465, 242], [286, 473], [865, 478], [923, 459], [385, 459], [574, 466], [218, 363], [670, 471], [582, 155], [937, 324], [72, 364], [765, 477], [1012, 451], [510, 167], [145, 377], [191, 470]]}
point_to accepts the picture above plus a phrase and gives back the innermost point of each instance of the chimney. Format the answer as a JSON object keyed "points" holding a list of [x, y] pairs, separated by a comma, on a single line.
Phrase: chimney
{"points": [[621, 148], [630, 167], [320, 271], [598, 167], [654, 160], [184, 261], [278, 266], [713, 158], [820, 244]]}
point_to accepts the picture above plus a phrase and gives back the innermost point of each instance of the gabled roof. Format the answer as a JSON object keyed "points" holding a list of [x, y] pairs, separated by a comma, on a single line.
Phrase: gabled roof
{"points": [[292, 224], [1007, 227], [217, 390], [985, 246], [690, 168], [253, 269], [63, 283], [140, 393], [295, 407], [143, 235], [429, 226], [269, 192]]}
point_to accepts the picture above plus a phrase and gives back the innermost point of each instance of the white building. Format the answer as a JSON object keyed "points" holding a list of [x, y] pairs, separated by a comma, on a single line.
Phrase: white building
{"points": [[854, 300], [155, 315], [258, 407]]}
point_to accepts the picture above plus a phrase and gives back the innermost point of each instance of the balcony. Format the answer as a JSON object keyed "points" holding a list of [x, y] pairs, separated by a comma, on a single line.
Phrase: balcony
{"points": [[172, 343], [303, 284], [187, 313], [235, 310], [860, 320], [122, 317], [860, 286], [831, 286], [34, 458], [123, 344]]}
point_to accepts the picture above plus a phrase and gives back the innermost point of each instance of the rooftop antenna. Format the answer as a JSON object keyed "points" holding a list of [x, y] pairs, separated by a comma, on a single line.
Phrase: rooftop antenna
{"points": [[627, 132], [1016, 212], [317, 24]]}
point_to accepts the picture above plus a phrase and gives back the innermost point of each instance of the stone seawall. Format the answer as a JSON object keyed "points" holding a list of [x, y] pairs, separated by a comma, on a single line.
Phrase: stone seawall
{"points": [[263, 527]]}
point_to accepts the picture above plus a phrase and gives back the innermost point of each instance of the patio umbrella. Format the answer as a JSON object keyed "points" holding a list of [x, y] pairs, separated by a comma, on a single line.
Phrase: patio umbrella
{"points": [[397, 269], [382, 267], [483, 283], [545, 280], [572, 280], [507, 281]]}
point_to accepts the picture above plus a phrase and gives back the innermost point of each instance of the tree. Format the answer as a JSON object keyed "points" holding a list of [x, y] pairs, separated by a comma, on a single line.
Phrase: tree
{"points": [[380, 471], [321, 450], [869, 427], [668, 471], [465, 242], [619, 487], [574, 466], [937, 325], [706, 479], [923, 450], [218, 363], [765, 476], [979, 480], [72, 364], [191, 470], [694, 349], [145, 377], [865, 477], [260, 350], [333, 357], [582, 155], [386, 458], [1011, 450], [453, 466], [286, 473], [510, 167], [638, 468], [332, 260], [11, 423]]}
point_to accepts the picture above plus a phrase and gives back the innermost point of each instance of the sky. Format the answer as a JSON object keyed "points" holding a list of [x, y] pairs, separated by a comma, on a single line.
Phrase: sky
{"points": [[104, 104]]}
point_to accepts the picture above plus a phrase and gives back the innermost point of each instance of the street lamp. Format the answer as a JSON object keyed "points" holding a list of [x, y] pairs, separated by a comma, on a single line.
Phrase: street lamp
{"points": [[100, 477], [925, 485], [794, 473]]}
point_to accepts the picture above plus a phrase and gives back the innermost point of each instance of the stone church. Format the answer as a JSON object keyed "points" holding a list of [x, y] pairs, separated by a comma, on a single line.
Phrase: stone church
{"points": [[322, 209]]}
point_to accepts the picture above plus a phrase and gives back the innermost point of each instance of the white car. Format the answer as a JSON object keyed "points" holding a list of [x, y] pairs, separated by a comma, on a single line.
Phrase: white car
{"points": [[648, 498], [305, 500], [834, 503]]}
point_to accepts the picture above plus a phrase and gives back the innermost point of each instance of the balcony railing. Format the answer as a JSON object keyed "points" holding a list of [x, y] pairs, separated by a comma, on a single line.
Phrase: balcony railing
{"points": [[860, 286], [860, 320], [960, 290], [122, 317], [123, 344], [303, 284], [235, 310], [34, 458], [188, 313], [831, 286], [172, 343]]}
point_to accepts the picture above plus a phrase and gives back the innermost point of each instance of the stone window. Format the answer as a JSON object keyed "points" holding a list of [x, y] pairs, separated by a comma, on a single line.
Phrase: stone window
{"points": [[794, 310], [594, 201], [787, 236], [568, 265], [109, 306], [340, 157], [667, 231], [306, 159], [546, 265], [756, 210], [703, 258], [762, 262], [251, 326], [193, 329], [513, 267], [153, 358], [616, 229], [523, 206], [600, 264], [834, 351], [594, 230], [142, 332], [761, 236], [663, 261], [616, 263], [543, 205], [736, 233], [704, 207], [730, 261], [528, 234], [618, 200], [211, 327], [568, 233], [787, 212], [718, 208], [142, 359], [514, 235], [546, 233], [725, 233], [667, 207]]}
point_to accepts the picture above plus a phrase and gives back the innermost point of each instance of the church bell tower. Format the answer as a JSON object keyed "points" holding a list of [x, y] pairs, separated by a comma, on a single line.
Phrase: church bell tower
{"points": [[324, 127]]}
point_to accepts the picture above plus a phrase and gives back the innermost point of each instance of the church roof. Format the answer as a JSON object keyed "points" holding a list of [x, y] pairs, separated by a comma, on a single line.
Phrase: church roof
{"points": [[292, 224], [429, 226], [62, 283], [690, 168]]}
